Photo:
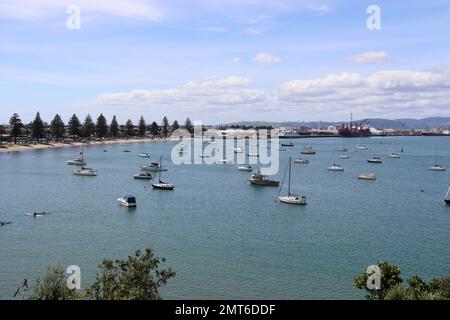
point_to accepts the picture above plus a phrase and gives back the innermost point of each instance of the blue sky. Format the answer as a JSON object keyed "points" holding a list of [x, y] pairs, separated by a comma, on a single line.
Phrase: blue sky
{"points": [[219, 61]]}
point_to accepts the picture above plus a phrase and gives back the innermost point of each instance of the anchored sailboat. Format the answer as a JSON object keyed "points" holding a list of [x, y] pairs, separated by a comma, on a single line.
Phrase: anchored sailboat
{"points": [[290, 197], [161, 184]]}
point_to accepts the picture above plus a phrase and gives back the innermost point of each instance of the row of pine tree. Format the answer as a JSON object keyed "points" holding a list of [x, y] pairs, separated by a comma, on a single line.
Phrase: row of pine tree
{"points": [[58, 130]]}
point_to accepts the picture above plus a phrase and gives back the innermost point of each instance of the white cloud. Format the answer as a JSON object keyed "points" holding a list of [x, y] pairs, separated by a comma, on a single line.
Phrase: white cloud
{"points": [[32, 9], [236, 60], [266, 58], [386, 93], [232, 92], [215, 29], [253, 31], [370, 57]]}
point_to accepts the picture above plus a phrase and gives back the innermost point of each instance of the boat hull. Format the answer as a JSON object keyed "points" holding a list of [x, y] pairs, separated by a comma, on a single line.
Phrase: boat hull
{"points": [[163, 186], [447, 201], [293, 200], [267, 183]]}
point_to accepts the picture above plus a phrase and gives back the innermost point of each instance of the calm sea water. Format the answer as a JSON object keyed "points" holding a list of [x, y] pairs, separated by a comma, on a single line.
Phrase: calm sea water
{"points": [[224, 237]]}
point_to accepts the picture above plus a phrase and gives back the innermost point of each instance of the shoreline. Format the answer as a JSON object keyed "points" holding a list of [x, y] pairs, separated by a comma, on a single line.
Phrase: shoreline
{"points": [[12, 148]]}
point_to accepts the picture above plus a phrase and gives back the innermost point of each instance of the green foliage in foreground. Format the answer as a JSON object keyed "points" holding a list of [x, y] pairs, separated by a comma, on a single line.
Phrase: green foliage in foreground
{"points": [[392, 287], [139, 277]]}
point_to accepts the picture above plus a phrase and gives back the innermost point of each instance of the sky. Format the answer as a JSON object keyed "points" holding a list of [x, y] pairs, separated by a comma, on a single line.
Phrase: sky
{"points": [[220, 61]]}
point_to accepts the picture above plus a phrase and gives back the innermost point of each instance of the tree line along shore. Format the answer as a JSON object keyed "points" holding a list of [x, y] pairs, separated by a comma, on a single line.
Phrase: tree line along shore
{"points": [[17, 136]]}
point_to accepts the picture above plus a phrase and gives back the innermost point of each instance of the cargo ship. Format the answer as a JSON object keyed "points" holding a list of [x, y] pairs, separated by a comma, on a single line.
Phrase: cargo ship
{"points": [[355, 130]]}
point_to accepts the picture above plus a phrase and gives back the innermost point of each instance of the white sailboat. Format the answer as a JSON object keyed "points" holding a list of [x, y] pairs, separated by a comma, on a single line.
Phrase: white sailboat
{"points": [[290, 197], [436, 166], [161, 184], [447, 197], [79, 160]]}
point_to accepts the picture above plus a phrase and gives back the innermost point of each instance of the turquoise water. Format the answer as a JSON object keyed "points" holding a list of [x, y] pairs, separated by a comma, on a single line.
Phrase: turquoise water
{"points": [[223, 237]]}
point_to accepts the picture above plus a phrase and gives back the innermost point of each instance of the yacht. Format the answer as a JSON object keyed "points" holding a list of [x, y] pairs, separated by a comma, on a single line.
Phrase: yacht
{"points": [[144, 175], [153, 166], [85, 172], [290, 197], [161, 184], [302, 161], [127, 201], [245, 168], [335, 167], [259, 179], [367, 176], [78, 161], [394, 155], [144, 155], [447, 197], [437, 167], [308, 150], [375, 160]]}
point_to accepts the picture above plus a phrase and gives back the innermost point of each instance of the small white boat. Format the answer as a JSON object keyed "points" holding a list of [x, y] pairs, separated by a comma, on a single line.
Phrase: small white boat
{"points": [[375, 160], [153, 166], [362, 148], [437, 167], [335, 167], [245, 168], [78, 161], [394, 155], [144, 155], [238, 150], [250, 154], [143, 175], [344, 156], [342, 149], [126, 150], [225, 161], [85, 172], [289, 144], [163, 185], [127, 201], [367, 176], [301, 161], [308, 150], [291, 198]]}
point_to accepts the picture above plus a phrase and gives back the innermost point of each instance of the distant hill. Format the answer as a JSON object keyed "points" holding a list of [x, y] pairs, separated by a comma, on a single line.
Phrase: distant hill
{"points": [[431, 122]]}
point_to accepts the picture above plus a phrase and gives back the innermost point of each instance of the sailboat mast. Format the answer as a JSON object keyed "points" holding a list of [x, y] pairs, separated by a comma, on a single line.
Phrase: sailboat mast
{"points": [[289, 179]]}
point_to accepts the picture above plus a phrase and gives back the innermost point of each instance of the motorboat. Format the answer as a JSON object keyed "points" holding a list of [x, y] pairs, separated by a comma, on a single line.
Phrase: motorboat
{"points": [[447, 197], [302, 161], [126, 150], [225, 161], [375, 160], [144, 155], [143, 175], [78, 161], [290, 197], [362, 148], [245, 168], [437, 167], [250, 154], [367, 176], [127, 201], [289, 144], [335, 167], [308, 150], [238, 150], [344, 156], [153, 166], [85, 172], [342, 149], [259, 179], [394, 155]]}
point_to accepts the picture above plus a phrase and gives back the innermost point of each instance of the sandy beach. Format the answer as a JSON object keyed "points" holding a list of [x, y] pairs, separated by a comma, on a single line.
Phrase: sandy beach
{"points": [[22, 148]]}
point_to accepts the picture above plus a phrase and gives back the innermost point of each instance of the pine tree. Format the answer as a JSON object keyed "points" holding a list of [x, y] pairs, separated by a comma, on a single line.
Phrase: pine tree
{"points": [[165, 127], [101, 127], [142, 127], [38, 129], [16, 126], [88, 127], [129, 128], [175, 126], [188, 126], [57, 127], [114, 128], [154, 129], [74, 126]]}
